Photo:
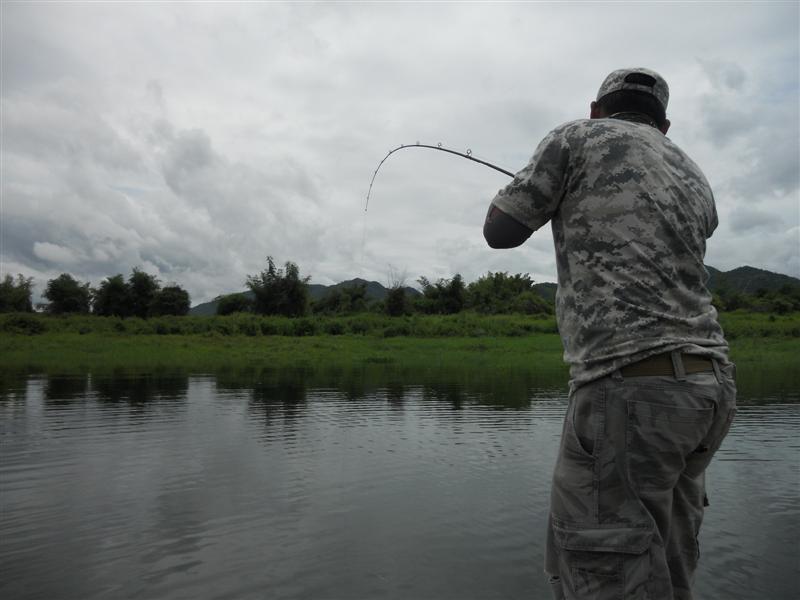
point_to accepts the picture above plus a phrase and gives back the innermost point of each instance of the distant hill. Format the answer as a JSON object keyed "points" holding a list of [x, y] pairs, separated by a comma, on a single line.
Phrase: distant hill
{"points": [[748, 280], [375, 290], [745, 280], [546, 291], [316, 291]]}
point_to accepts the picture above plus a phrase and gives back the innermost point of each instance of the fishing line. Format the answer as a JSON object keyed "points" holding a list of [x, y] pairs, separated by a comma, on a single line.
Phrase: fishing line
{"points": [[467, 155]]}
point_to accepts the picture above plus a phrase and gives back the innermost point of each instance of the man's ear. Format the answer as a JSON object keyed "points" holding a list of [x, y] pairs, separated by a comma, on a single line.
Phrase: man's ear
{"points": [[665, 127], [595, 112]]}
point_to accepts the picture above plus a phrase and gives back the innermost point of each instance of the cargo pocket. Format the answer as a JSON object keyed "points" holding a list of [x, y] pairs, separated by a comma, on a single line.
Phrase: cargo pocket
{"points": [[603, 563]]}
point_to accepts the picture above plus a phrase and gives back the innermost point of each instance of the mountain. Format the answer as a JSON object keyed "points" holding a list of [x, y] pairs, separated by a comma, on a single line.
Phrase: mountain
{"points": [[546, 291], [745, 280], [748, 280], [316, 291], [375, 291]]}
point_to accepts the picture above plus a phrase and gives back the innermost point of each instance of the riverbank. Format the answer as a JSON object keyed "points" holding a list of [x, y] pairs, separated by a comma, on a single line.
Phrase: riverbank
{"points": [[465, 341], [72, 352]]}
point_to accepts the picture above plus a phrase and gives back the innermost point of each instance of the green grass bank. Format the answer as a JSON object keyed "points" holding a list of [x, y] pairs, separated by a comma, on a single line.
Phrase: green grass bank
{"points": [[465, 340]]}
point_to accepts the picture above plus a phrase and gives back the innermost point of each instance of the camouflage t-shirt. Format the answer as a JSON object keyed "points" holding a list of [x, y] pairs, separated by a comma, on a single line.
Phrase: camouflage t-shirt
{"points": [[630, 214]]}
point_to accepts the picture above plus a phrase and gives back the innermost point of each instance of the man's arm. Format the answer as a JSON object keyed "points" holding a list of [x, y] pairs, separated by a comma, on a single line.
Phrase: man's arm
{"points": [[533, 197], [502, 231]]}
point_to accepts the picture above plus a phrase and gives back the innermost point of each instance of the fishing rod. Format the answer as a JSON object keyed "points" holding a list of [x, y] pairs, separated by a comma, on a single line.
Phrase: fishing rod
{"points": [[467, 155]]}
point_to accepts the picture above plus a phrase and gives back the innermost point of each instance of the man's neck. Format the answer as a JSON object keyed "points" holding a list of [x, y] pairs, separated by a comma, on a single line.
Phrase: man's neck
{"points": [[635, 117]]}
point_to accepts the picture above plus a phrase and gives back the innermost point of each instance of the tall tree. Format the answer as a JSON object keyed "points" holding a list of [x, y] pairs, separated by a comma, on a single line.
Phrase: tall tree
{"points": [[396, 303], [496, 293], [170, 300], [67, 295], [143, 289], [234, 303], [343, 299], [444, 297], [15, 296], [279, 291], [112, 298]]}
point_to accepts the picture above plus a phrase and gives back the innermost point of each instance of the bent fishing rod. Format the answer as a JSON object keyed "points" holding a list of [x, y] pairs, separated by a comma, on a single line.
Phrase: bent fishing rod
{"points": [[467, 155]]}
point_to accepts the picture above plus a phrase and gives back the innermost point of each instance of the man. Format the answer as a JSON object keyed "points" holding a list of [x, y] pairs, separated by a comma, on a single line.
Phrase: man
{"points": [[652, 391]]}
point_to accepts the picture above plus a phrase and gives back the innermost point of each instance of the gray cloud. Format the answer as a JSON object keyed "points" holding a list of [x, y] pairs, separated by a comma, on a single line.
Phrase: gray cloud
{"points": [[724, 75], [194, 141], [744, 219]]}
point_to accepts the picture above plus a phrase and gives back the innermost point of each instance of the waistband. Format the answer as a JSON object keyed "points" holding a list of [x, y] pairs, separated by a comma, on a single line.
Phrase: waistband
{"points": [[668, 364]]}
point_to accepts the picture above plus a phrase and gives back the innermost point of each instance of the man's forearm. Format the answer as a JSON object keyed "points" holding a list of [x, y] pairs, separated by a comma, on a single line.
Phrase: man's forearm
{"points": [[503, 231]]}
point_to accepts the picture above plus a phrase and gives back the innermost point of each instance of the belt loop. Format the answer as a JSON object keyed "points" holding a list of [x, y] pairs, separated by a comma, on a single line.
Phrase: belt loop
{"points": [[717, 371], [677, 365]]}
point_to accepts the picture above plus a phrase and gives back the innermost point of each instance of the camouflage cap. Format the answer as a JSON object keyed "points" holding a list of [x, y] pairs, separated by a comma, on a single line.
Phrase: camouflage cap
{"points": [[637, 79]]}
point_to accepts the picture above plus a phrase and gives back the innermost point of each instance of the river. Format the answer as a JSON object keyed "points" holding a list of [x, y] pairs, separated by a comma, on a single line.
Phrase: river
{"points": [[280, 485]]}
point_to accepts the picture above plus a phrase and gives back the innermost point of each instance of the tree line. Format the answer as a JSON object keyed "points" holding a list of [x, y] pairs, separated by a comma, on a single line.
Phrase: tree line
{"points": [[282, 291], [141, 295]]}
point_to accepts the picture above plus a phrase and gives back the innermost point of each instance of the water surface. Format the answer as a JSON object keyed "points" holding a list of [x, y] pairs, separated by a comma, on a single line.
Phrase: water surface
{"points": [[349, 485]]}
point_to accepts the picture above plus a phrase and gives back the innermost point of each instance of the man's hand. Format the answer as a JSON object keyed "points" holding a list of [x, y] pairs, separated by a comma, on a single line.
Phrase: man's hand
{"points": [[502, 231]]}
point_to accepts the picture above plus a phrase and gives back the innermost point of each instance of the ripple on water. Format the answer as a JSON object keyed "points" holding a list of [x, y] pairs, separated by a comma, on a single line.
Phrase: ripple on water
{"points": [[409, 491]]}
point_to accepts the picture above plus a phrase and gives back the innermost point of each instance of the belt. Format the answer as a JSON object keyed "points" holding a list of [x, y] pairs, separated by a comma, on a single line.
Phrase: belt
{"points": [[661, 364]]}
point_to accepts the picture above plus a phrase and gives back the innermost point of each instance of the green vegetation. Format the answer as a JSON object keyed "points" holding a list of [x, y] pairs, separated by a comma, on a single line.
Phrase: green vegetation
{"points": [[279, 291], [783, 300], [15, 296], [737, 324], [68, 352], [67, 295], [464, 324], [112, 299], [141, 296], [466, 338]]}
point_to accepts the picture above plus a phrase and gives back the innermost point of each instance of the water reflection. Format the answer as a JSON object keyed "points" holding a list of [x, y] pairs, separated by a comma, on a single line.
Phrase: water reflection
{"points": [[373, 482], [61, 390], [141, 388]]}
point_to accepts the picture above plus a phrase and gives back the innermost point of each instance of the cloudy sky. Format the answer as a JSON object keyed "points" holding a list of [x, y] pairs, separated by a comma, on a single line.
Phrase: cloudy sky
{"points": [[193, 140]]}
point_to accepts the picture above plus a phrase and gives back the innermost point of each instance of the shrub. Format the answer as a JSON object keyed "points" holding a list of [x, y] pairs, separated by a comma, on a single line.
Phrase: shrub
{"points": [[67, 295], [24, 324], [279, 291], [234, 303], [269, 327], [398, 330], [304, 326], [359, 326], [249, 327], [333, 328], [16, 297]]}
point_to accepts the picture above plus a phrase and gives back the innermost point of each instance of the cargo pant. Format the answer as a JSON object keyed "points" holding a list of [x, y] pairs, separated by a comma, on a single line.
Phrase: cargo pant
{"points": [[629, 484]]}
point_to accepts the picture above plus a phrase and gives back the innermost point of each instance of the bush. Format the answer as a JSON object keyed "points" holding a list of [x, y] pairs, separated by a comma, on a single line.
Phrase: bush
{"points": [[249, 327], [303, 327], [16, 297], [234, 303], [24, 324], [223, 327], [269, 327], [170, 300], [333, 327], [279, 291], [359, 326], [67, 295], [401, 329], [396, 304]]}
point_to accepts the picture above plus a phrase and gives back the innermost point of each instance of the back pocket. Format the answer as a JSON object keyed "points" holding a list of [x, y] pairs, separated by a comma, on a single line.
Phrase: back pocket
{"points": [[661, 436]]}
